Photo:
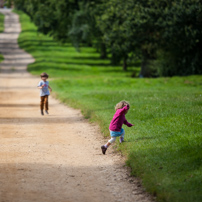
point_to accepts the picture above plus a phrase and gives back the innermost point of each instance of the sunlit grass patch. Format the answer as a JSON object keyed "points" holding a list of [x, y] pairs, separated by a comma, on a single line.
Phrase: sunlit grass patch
{"points": [[1, 22]]}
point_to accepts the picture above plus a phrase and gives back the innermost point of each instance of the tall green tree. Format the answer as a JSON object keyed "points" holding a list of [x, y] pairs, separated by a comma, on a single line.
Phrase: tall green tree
{"points": [[51, 16], [165, 33], [128, 28], [84, 28], [180, 38]]}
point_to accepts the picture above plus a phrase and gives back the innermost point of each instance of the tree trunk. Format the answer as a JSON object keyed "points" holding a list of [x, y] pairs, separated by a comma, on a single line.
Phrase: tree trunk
{"points": [[90, 44], [103, 54], [125, 63], [77, 4], [144, 65]]}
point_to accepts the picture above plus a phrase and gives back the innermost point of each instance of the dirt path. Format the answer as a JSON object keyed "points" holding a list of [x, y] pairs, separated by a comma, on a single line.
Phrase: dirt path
{"points": [[56, 157]]}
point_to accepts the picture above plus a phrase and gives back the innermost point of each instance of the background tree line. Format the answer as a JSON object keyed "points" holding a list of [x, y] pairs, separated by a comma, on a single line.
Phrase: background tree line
{"points": [[166, 35]]}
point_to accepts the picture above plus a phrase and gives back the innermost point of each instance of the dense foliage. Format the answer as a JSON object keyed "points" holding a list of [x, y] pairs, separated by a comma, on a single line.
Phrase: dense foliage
{"points": [[166, 35]]}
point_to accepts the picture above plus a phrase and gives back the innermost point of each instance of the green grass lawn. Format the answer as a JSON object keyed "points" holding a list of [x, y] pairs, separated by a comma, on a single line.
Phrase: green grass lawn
{"points": [[1, 22], [164, 148]]}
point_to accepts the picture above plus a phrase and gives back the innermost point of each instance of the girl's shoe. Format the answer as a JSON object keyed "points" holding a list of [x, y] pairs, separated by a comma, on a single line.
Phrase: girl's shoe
{"points": [[104, 149], [42, 112], [46, 111], [121, 139]]}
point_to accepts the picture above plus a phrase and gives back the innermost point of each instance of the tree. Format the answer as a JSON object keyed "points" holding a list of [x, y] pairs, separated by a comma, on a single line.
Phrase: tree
{"points": [[181, 38], [127, 28], [84, 28], [50, 16], [167, 33]]}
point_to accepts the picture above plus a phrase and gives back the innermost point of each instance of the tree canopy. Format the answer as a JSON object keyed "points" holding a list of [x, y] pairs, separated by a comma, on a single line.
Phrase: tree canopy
{"points": [[165, 35]]}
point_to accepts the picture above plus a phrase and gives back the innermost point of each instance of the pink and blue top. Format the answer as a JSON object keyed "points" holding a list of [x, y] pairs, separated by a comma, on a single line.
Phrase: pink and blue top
{"points": [[119, 119]]}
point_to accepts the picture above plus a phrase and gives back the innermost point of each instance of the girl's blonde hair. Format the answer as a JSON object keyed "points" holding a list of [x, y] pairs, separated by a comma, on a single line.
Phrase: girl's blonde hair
{"points": [[121, 104]]}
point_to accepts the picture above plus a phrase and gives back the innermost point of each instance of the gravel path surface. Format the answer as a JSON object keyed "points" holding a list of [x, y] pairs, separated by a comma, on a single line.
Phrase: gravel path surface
{"points": [[55, 157]]}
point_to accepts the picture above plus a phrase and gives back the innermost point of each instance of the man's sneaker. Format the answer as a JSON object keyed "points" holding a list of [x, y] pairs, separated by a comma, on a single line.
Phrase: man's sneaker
{"points": [[104, 149], [46, 111], [42, 112], [121, 139]]}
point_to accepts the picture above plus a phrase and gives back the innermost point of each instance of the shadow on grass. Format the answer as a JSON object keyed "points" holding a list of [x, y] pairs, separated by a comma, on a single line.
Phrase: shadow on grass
{"points": [[88, 58], [55, 67], [39, 45], [28, 30], [108, 68]]}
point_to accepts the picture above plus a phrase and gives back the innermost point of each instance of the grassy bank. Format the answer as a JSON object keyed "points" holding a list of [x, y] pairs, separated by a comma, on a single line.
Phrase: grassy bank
{"points": [[1, 58], [1, 22], [164, 147]]}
